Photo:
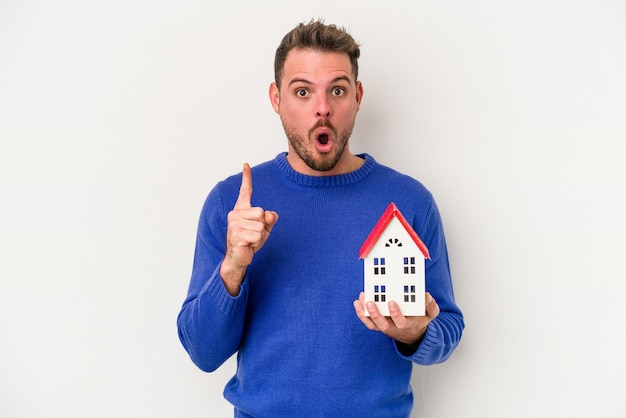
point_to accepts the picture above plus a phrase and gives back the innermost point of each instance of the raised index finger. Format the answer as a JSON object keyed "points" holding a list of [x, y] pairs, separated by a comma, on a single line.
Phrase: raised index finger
{"points": [[245, 191]]}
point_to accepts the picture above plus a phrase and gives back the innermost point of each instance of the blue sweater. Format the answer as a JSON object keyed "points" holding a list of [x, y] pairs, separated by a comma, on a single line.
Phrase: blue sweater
{"points": [[301, 349]]}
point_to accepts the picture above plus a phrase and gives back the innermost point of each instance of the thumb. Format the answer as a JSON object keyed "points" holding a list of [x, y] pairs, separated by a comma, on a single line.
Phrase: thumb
{"points": [[271, 218], [245, 191], [432, 308]]}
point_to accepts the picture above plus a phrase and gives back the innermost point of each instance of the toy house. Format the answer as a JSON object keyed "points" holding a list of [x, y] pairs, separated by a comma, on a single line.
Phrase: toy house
{"points": [[394, 265]]}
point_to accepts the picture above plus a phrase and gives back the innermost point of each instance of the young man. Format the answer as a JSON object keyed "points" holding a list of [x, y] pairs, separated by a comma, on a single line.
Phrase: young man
{"points": [[280, 291]]}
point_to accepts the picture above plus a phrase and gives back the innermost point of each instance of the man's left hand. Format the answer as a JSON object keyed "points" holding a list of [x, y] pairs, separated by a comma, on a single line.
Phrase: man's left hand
{"points": [[405, 329]]}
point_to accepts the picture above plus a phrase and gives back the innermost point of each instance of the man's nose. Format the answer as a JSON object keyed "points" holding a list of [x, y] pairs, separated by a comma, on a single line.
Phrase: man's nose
{"points": [[322, 107]]}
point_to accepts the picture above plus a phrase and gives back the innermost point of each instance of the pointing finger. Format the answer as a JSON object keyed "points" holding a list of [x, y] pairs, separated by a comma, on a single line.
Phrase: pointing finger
{"points": [[245, 191]]}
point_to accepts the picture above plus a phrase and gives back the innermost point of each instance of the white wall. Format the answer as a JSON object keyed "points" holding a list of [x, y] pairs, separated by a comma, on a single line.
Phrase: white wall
{"points": [[117, 117]]}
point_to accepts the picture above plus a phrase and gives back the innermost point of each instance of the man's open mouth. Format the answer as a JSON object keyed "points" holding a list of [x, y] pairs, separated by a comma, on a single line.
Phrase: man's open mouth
{"points": [[323, 139]]}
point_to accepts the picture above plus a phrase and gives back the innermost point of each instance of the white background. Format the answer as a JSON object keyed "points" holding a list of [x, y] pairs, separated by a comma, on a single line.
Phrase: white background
{"points": [[118, 117]]}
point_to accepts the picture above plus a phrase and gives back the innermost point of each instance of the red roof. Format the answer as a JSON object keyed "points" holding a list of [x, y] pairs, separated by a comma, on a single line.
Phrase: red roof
{"points": [[391, 212]]}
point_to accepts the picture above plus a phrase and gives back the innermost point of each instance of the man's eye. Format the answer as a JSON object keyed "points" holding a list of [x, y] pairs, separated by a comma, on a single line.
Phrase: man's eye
{"points": [[301, 93], [338, 91]]}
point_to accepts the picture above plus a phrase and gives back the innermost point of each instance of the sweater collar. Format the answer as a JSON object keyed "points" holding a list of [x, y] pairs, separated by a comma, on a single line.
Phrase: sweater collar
{"points": [[325, 181]]}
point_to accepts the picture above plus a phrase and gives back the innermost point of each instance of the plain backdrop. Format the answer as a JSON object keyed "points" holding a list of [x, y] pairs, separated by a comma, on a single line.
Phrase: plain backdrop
{"points": [[117, 117]]}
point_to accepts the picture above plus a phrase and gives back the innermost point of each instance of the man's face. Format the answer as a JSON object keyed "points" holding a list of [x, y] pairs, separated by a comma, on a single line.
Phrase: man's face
{"points": [[317, 103]]}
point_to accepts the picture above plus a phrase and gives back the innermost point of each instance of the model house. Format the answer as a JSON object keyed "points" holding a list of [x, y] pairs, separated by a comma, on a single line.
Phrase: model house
{"points": [[393, 264]]}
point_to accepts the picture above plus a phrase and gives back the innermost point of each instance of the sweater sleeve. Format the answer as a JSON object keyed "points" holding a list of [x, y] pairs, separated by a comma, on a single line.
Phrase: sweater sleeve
{"points": [[210, 322], [444, 332]]}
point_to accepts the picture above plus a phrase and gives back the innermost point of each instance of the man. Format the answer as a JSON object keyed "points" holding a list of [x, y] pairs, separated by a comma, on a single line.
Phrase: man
{"points": [[280, 291]]}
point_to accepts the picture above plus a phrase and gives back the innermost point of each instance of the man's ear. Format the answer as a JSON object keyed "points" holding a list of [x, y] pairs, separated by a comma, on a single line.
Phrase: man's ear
{"points": [[275, 97], [359, 93]]}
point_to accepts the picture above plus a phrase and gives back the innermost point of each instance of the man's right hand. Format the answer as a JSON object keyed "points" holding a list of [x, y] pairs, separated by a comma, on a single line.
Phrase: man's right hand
{"points": [[248, 229]]}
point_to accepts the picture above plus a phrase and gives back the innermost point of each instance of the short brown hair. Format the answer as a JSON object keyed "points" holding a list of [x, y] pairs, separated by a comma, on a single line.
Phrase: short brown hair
{"points": [[320, 37]]}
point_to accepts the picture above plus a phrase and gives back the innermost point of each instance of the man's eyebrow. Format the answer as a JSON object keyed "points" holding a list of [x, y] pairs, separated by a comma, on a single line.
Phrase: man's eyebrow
{"points": [[299, 80], [342, 77], [334, 80]]}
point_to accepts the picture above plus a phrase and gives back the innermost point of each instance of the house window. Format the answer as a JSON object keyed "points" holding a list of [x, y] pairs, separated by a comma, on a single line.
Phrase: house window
{"points": [[409, 265], [379, 265], [393, 241], [380, 293], [409, 294]]}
